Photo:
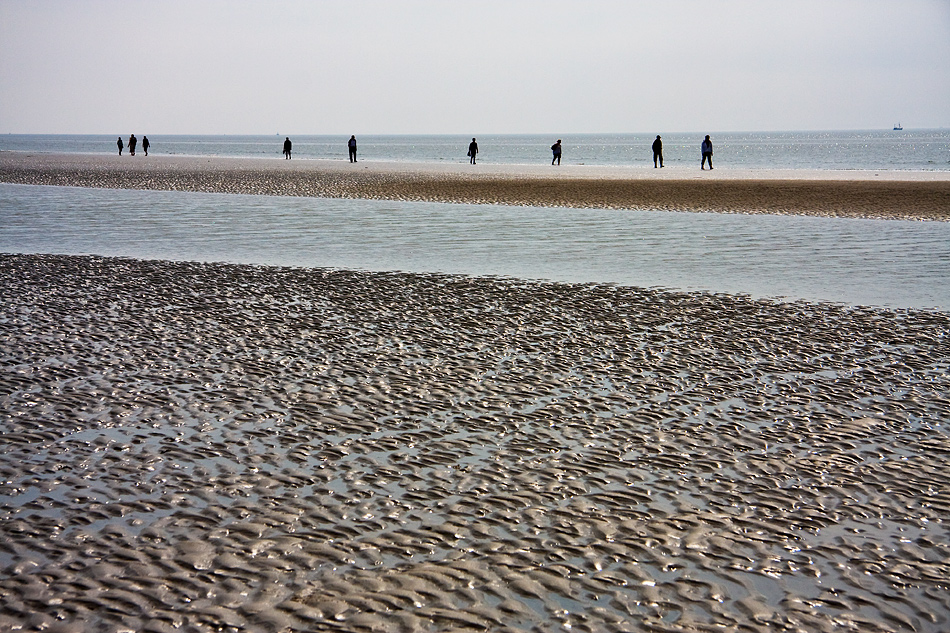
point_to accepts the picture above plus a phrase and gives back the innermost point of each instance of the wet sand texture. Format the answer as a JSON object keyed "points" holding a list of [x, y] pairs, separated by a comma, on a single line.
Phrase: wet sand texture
{"points": [[513, 185], [203, 447]]}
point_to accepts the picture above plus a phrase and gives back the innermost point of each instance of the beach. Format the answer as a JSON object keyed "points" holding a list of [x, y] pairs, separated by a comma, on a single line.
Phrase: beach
{"points": [[913, 195], [201, 447], [217, 447]]}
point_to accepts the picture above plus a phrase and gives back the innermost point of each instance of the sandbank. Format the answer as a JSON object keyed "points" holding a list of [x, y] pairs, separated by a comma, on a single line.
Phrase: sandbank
{"points": [[212, 447], [867, 194]]}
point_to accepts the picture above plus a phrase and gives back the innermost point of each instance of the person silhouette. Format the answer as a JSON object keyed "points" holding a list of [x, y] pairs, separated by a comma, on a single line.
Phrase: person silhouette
{"points": [[132, 142], [288, 146], [351, 145], [119, 143], [145, 144], [657, 151], [707, 150], [472, 150], [556, 149]]}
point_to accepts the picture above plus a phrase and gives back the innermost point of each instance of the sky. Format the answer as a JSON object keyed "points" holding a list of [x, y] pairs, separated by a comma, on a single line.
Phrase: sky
{"points": [[476, 67]]}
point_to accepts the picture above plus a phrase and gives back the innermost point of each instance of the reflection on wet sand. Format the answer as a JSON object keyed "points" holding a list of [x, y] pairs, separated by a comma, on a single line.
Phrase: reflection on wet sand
{"points": [[218, 447]]}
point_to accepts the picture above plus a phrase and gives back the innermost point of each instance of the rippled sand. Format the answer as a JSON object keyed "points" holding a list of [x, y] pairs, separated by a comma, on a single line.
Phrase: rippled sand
{"points": [[209, 447], [889, 195]]}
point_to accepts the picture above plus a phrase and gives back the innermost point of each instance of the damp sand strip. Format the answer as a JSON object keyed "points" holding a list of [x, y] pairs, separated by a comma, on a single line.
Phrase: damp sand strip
{"points": [[859, 194]]}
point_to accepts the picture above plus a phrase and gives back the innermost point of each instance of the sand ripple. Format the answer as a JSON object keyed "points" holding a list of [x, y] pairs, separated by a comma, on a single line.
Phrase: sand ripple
{"points": [[206, 447], [901, 195]]}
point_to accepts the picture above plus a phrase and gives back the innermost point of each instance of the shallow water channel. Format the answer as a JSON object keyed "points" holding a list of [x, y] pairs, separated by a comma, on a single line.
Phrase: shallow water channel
{"points": [[854, 261]]}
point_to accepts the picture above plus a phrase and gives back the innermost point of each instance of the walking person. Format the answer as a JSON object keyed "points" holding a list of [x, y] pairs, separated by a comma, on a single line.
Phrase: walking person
{"points": [[351, 145], [472, 150], [132, 142], [657, 151], [707, 150], [556, 149], [288, 146], [119, 143], [145, 144]]}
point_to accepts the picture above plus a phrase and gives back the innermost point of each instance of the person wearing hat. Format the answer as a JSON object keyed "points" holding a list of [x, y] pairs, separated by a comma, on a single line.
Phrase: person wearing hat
{"points": [[657, 151]]}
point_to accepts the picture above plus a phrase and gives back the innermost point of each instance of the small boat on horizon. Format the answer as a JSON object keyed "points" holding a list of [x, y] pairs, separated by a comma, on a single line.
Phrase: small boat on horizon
{"points": [[898, 127]]}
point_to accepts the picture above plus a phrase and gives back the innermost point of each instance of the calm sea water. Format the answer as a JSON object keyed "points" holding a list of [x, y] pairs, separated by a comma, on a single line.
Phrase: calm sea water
{"points": [[876, 149], [858, 262]]}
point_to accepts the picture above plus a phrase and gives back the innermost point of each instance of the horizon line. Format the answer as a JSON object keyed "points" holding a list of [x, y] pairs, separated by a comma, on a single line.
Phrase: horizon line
{"points": [[484, 133]]}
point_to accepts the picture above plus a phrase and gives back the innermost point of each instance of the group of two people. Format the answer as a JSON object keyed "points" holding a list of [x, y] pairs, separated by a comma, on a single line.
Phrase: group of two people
{"points": [[351, 146], [132, 143], [705, 148], [556, 148]]}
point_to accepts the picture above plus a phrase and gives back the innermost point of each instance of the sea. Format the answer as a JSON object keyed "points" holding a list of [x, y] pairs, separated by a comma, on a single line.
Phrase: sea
{"points": [[881, 263], [927, 150]]}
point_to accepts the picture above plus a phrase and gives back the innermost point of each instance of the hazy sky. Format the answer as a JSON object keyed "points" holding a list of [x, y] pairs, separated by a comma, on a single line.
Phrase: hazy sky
{"points": [[476, 67]]}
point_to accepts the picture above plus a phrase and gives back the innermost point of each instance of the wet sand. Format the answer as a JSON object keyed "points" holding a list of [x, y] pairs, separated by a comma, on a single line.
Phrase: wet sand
{"points": [[890, 195], [210, 447]]}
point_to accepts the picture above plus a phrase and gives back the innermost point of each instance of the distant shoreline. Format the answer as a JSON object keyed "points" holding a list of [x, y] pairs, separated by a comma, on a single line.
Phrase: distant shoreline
{"points": [[906, 195]]}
